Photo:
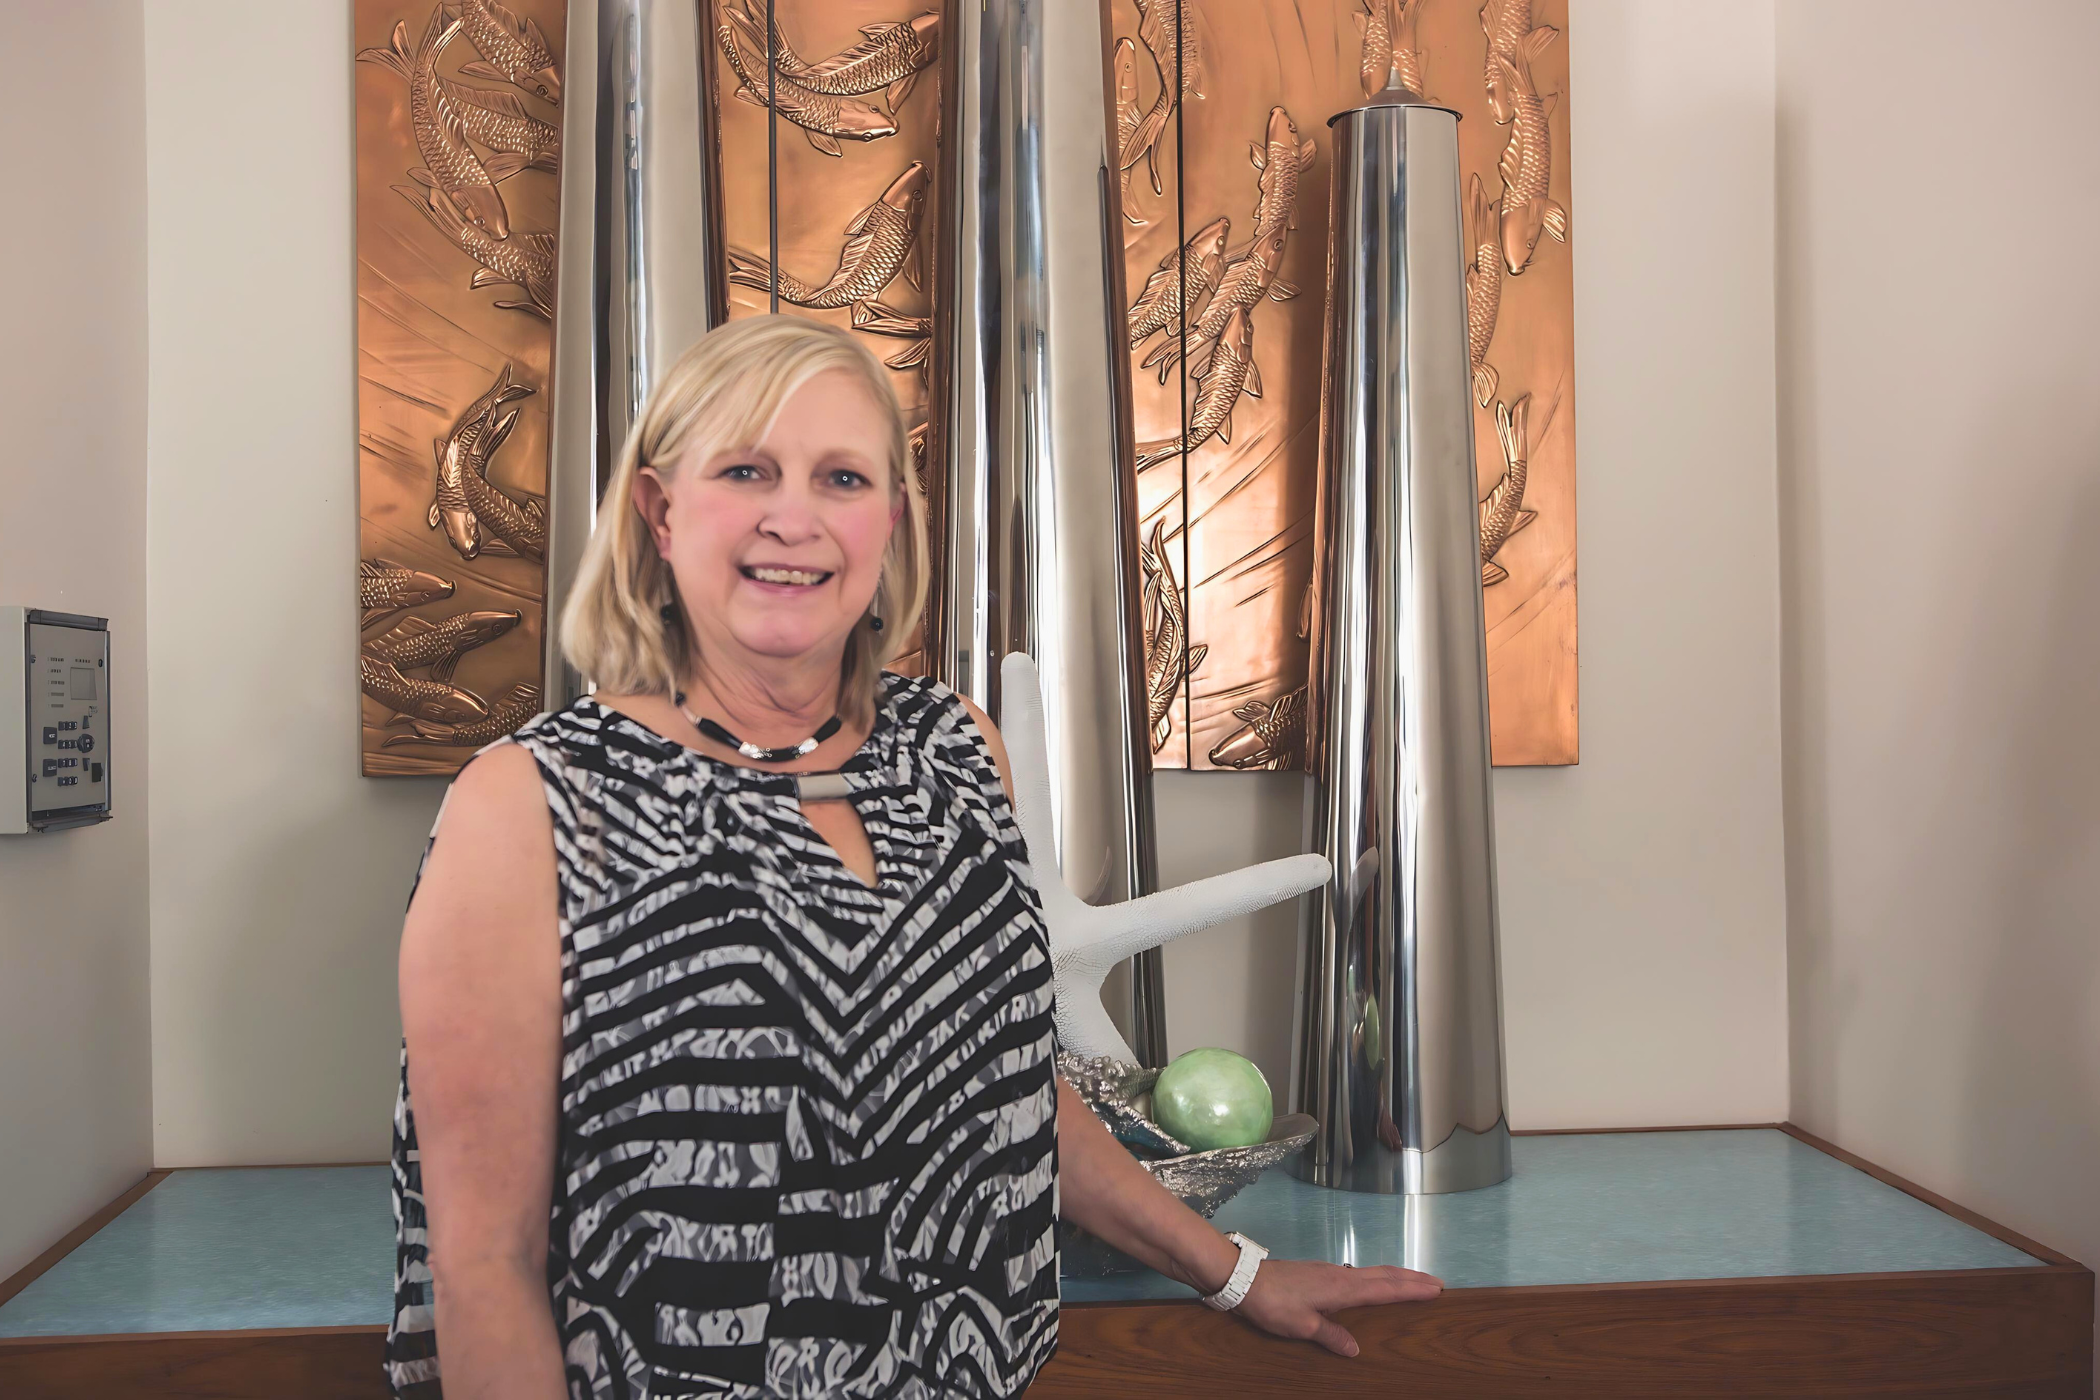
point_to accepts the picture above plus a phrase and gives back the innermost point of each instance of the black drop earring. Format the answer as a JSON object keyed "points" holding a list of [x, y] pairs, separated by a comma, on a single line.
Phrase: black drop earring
{"points": [[874, 622], [669, 613]]}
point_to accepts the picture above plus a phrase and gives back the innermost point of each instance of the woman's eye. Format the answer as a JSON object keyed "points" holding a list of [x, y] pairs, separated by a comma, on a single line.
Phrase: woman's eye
{"points": [[847, 479], [741, 471]]}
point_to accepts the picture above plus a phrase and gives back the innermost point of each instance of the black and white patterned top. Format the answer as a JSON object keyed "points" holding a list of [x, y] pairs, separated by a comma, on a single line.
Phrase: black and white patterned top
{"points": [[807, 1141]]}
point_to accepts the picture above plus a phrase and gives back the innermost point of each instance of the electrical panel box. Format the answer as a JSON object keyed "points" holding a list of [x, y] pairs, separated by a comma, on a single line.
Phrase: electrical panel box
{"points": [[54, 720]]}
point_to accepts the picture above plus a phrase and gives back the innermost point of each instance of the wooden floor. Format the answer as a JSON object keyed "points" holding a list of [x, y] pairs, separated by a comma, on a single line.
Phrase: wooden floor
{"points": [[2012, 1331]]}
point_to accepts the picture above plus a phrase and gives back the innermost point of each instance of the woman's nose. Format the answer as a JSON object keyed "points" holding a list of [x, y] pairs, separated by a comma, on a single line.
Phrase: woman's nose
{"points": [[790, 517]]}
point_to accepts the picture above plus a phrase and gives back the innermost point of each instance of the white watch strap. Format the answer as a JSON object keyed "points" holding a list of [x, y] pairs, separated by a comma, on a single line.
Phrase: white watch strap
{"points": [[1235, 1290]]}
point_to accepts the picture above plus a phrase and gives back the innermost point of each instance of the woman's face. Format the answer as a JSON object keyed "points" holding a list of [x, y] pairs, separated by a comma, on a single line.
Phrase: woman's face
{"points": [[777, 546]]}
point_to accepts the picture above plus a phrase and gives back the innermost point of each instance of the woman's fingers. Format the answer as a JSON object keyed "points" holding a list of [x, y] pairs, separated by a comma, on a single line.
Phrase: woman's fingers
{"points": [[1334, 1337], [1390, 1284]]}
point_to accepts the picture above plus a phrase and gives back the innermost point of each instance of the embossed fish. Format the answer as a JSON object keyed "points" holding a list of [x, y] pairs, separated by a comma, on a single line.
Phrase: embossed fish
{"points": [[1375, 22], [1282, 163], [1502, 514], [824, 118], [881, 242], [1273, 736], [1246, 280], [888, 59], [503, 121], [1229, 373], [433, 701], [417, 642], [1189, 272], [1483, 287], [512, 710], [1505, 22], [1167, 664], [1527, 161], [1129, 124], [463, 452], [524, 259], [515, 50], [386, 587], [1171, 46], [449, 163], [509, 524], [1407, 46]]}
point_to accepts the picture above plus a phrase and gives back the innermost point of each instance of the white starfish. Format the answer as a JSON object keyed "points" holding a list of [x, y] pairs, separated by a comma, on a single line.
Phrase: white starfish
{"points": [[1086, 940]]}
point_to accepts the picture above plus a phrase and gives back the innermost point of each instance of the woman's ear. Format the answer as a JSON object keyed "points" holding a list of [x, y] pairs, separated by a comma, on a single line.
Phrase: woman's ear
{"points": [[652, 499]]}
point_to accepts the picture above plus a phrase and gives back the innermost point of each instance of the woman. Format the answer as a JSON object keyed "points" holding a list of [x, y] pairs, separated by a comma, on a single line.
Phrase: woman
{"points": [[728, 1082]]}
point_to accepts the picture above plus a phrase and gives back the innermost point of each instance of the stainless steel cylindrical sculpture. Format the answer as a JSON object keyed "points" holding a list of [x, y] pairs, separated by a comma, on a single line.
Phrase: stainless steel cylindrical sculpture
{"points": [[1399, 1034], [638, 256], [1033, 423]]}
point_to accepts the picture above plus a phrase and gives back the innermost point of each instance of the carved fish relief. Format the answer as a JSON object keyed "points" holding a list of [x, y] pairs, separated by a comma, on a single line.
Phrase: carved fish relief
{"points": [[433, 701], [449, 163], [503, 122], [1171, 45], [882, 241], [1272, 736], [509, 524], [512, 50], [1246, 280], [1527, 161], [523, 260], [1502, 514], [417, 643], [1483, 287], [1375, 23], [1407, 46], [464, 452], [824, 118], [1282, 162], [1136, 135], [512, 710], [1228, 373], [888, 59], [1505, 22], [386, 587], [1190, 273], [1167, 664]]}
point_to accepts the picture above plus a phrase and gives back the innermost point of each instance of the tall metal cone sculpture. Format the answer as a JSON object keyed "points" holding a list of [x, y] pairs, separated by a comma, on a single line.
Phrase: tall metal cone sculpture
{"points": [[1033, 427], [1086, 940], [638, 277]]}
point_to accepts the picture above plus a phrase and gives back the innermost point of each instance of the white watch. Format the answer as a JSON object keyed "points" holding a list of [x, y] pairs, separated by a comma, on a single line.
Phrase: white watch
{"points": [[1235, 1290]]}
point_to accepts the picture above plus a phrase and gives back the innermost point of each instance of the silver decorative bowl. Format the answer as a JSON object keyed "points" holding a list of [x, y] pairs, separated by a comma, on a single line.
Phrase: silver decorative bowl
{"points": [[1120, 1094]]}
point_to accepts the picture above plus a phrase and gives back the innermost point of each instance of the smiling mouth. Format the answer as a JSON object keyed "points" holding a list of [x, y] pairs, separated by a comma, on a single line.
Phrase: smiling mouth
{"points": [[801, 578]]}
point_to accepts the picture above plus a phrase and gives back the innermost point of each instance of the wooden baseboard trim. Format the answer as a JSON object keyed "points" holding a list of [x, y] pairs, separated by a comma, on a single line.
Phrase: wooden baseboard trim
{"points": [[78, 1235]]}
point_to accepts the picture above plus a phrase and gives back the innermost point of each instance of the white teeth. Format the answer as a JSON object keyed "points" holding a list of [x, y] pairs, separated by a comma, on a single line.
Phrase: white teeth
{"points": [[786, 576]]}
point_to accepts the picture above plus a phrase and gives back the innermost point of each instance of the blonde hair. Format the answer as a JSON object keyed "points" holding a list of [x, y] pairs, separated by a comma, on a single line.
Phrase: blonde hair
{"points": [[726, 392]]}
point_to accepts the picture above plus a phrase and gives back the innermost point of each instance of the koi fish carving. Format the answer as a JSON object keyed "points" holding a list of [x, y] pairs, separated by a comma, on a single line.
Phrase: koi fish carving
{"points": [[888, 59], [386, 587], [1228, 373], [824, 118], [464, 452], [524, 260], [1527, 161], [503, 121], [1167, 664], [450, 165], [1185, 277], [1282, 163], [882, 241], [512, 710], [432, 701], [1505, 22], [1246, 280], [417, 643], [1272, 736], [1502, 513], [1483, 288], [512, 50]]}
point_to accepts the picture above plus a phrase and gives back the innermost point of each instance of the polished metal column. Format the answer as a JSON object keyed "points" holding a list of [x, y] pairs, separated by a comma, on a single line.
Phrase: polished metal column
{"points": [[1033, 423], [1399, 1034], [638, 254]]}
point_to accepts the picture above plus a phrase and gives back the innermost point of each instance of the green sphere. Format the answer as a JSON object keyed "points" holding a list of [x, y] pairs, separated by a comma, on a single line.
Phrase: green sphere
{"points": [[1213, 1098]]}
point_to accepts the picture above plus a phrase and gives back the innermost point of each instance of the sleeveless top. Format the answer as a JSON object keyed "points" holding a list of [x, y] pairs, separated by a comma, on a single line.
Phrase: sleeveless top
{"points": [[807, 1139]]}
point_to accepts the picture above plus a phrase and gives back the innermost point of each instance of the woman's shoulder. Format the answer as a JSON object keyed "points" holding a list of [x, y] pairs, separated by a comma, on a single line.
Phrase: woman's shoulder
{"points": [[945, 726]]}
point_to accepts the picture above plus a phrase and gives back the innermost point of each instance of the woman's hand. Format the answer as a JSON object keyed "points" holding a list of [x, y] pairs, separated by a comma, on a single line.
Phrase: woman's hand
{"points": [[1297, 1297]]}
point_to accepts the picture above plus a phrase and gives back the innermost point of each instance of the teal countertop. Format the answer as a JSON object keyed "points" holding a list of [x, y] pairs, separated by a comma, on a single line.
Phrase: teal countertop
{"points": [[232, 1249]]}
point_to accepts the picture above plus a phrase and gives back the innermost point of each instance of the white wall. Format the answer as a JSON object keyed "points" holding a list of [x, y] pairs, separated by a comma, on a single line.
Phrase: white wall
{"points": [[279, 875], [75, 1116], [1643, 891], [1940, 454]]}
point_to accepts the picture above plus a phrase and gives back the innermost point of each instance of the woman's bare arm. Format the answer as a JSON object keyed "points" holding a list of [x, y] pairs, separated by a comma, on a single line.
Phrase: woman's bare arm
{"points": [[481, 1011], [1103, 1190]]}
